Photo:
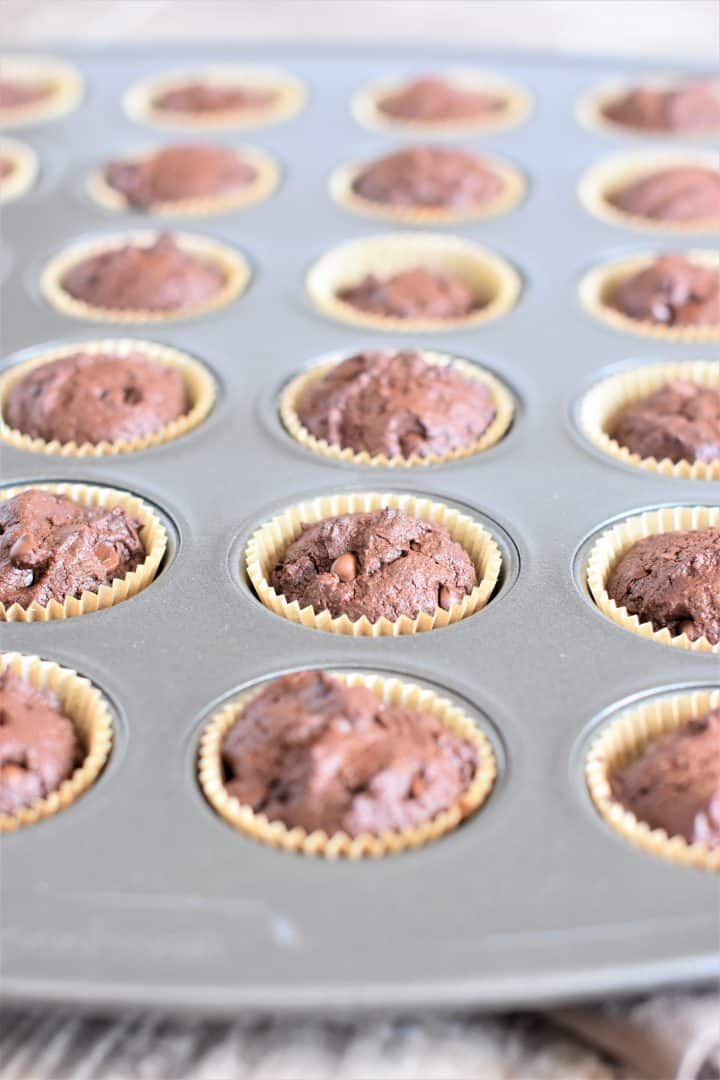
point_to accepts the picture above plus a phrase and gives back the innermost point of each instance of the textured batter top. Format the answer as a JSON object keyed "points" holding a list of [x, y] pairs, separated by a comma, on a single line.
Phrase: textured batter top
{"points": [[679, 421], [52, 547], [162, 277], [86, 398], [433, 100], [675, 783], [202, 97], [396, 404], [694, 106], [381, 562], [672, 580], [315, 753], [179, 172], [413, 294], [39, 747], [429, 177], [672, 291], [16, 93], [684, 193]]}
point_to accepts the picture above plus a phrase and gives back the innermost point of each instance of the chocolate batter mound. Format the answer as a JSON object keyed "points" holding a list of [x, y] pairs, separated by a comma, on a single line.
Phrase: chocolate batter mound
{"points": [[683, 193], [86, 398], [312, 752], [179, 172], [381, 562], [693, 106], [433, 100], [429, 177], [672, 580], [675, 784], [52, 547], [7, 167], [161, 277], [201, 97], [413, 294], [679, 421], [14, 94], [672, 291], [396, 404]]}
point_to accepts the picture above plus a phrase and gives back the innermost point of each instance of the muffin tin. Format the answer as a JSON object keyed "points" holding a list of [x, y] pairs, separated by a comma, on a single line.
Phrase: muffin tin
{"points": [[138, 894]]}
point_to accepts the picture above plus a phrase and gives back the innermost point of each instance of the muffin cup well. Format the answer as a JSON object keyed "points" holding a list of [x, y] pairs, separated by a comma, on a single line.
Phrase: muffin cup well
{"points": [[603, 180], [604, 401], [617, 541], [232, 264], [290, 98], [89, 712], [268, 544], [622, 741], [590, 110], [517, 105], [152, 534], [293, 394], [492, 278], [600, 284], [67, 89], [391, 691], [266, 180], [25, 167], [341, 189], [199, 386]]}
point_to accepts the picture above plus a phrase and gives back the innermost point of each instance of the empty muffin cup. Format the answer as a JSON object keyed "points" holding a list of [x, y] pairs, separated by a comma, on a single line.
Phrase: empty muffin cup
{"points": [[18, 169], [45, 89]]}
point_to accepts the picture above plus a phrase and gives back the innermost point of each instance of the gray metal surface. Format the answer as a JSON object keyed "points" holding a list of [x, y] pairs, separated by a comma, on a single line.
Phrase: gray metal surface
{"points": [[138, 894]]}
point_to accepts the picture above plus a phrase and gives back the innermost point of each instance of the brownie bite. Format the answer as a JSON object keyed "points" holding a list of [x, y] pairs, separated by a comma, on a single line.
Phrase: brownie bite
{"points": [[94, 398], [198, 98], [675, 782], [175, 173], [672, 580], [315, 753], [672, 291], [690, 106], [429, 177], [380, 563], [680, 421], [52, 547], [396, 404], [414, 293], [431, 100], [18, 93], [684, 193]]}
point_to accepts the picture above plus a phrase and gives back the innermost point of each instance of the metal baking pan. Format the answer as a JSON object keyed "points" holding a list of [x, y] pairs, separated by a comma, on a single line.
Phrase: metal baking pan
{"points": [[138, 895]]}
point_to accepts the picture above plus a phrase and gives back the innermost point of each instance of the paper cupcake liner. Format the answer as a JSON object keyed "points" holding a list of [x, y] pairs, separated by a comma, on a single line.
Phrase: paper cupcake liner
{"points": [[392, 691], [90, 714], [602, 404], [268, 544], [517, 105], [233, 265], [341, 190], [25, 168], [199, 385], [623, 741], [616, 541], [291, 95], [152, 534], [590, 110], [602, 180], [266, 181], [67, 92], [599, 286], [491, 277], [504, 410]]}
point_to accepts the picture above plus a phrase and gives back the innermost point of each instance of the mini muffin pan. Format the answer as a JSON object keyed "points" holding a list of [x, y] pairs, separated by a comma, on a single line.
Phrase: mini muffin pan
{"points": [[138, 894]]}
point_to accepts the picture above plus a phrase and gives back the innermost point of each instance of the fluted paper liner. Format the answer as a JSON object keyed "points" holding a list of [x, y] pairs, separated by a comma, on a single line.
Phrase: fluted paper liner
{"points": [[294, 392], [608, 398], [590, 110], [199, 386], [616, 541], [261, 187], [290, 98], [88, 710], [517, 105], [493, 280], [599, 286], [67, 89], [274, 832], [152, 534], [513, 190], [269, 543], [232, 264], [22, 177], [603, 180], [624, 740]]}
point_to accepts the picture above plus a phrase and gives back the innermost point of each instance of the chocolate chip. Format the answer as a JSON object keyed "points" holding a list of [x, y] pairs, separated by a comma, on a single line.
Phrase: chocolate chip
{"points": [[22, 553], [345, 566], [108, 556], [448, 597]]}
